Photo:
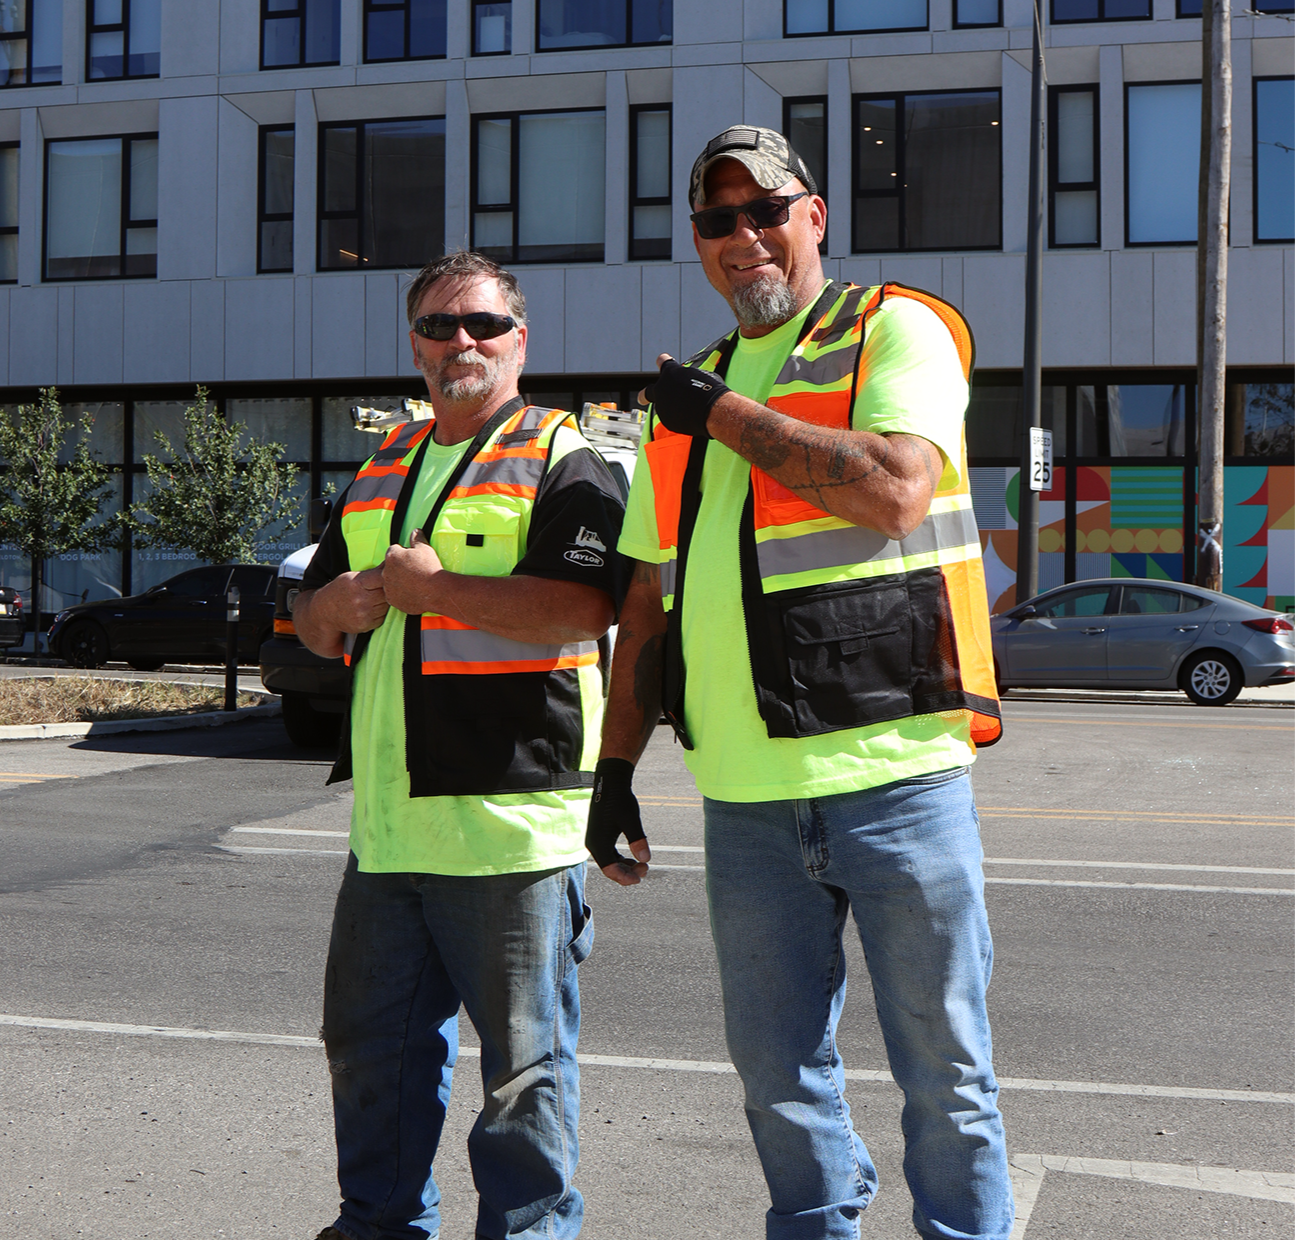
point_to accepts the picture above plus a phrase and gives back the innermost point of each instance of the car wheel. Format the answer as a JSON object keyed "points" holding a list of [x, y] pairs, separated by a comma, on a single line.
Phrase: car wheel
{"points": [[145, 665], [85, 644], [1212, 678], [308, 727]]}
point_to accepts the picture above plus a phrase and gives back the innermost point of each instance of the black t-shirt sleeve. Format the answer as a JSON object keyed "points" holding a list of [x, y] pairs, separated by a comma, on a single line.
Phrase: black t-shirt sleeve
{"points": [[576, 524], [330, 559]]}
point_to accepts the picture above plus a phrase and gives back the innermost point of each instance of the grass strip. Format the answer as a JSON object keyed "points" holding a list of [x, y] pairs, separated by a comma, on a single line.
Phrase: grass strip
{"points": [[94, 699]]}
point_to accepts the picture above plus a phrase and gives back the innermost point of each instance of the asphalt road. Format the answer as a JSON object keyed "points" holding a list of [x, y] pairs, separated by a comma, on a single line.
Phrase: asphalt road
{"points": [[159, 890]]}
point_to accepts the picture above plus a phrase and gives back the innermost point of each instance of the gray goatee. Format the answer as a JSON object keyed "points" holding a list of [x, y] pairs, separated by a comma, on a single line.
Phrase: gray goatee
{"points": [[766, 302]]}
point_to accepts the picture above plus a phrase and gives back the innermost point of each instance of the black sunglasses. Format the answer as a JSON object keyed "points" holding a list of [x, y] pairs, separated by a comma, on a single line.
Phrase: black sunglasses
{"points": [[480, 325], [763, 213]]}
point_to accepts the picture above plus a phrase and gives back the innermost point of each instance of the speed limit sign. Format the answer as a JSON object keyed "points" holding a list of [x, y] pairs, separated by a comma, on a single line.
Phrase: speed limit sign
{"points": [[1040, 459]]}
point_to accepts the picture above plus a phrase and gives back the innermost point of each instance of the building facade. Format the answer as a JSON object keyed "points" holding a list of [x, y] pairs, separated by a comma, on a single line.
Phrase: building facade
{"points": [[235, 194]]}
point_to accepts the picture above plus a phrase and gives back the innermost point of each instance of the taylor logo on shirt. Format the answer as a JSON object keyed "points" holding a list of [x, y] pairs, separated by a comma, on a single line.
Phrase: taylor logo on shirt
{"points": [[588, 538], [583, 552]]}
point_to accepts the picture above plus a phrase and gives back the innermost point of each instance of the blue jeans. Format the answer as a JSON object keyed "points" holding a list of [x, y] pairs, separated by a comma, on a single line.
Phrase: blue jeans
{"points": [[905, 860], [406, 950]]}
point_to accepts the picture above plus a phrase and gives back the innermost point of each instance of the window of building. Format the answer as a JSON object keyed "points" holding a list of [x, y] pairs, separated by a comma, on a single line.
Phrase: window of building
{"points": [[1131, 419], [404, 29], [1189, 8], [563, 24], [9, 213], [101, 207], [274, 198], [1073, 195], [1162, 151], [804, 125], [650, 222], [1100, 10], [538, 186], [123, 39], [1274, 159], [927, 172], [381, 193], [492, 27], [295, 33], [31, 42], [846, 16], [972, 13], [1259, 420]]}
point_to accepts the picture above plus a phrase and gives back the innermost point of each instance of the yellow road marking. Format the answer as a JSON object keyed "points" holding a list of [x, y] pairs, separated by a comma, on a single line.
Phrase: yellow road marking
{"points": [[24, 777]]}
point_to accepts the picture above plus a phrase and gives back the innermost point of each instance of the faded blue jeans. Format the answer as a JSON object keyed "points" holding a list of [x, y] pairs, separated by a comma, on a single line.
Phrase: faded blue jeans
{"points": [[782, 877], [406, 950]]}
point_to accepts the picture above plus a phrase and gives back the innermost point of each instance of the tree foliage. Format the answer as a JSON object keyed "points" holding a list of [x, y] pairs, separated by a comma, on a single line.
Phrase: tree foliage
{"points": [[50, 506], [217, 494]]}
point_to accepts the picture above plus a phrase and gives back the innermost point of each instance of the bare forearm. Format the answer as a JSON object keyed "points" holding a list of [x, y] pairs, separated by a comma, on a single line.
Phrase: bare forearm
{"points": [[634, 703], [884, 482], [525, 609], [313, 626]]}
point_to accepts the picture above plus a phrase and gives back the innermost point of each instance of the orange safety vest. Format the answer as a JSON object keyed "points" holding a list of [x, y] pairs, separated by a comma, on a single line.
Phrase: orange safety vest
{"points": [[845, 627]]}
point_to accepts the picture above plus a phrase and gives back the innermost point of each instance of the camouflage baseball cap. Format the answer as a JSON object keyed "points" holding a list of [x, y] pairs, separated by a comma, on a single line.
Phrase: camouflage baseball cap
{"points": [[767, 155]]}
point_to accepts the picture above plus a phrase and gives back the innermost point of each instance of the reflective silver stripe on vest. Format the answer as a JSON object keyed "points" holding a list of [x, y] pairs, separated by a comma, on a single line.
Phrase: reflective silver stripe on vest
{"points": [[858, 545], [478, 646], [821, 371], [348, 643], [669, 570], [510, 471], [365, 490]]}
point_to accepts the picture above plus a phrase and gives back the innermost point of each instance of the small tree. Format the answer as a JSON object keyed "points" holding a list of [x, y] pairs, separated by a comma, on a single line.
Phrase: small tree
{"points": [[216, 495], [48, 506]]}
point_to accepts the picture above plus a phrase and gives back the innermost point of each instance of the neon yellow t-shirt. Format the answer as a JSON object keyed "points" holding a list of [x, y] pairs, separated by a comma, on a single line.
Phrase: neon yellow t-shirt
{"points": [[465, 835], [914, 385]]}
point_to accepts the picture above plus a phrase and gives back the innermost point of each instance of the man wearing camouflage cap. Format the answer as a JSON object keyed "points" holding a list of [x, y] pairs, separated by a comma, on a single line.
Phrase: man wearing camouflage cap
{"points": [[803, 484]]}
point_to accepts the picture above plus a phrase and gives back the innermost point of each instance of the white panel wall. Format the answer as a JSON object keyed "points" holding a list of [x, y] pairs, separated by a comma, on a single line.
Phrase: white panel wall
{"points": [[208, 317]]}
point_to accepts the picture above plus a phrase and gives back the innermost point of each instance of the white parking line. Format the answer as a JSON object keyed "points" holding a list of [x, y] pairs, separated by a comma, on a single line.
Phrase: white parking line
{"points": [[1028, 1170], [1062, 882], [709, 1067]]}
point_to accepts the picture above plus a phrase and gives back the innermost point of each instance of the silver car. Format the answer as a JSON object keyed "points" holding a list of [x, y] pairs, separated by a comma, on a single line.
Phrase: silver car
{"points": [[1132, 633]]}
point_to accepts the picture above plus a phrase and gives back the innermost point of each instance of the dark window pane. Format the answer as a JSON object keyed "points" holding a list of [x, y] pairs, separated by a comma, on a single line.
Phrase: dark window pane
{"points": [[994, 421], [201, 582], [652, 157], [404, 193], [339, 169], [1150, 601], [807, 133], [1127, 8], [581, 23], [13, 18], [951, 171], [879, 15], [106, 55], [1142, 420], [323, 31], [8, 257], [13, 62], [1087, 602], [1189, 8], [427, 28], [9, 187], [386, 34], [878, 144], [107, 12], [976, 12], [1074, 10], [252, 583], [1269, 419], [806, 16], [652, 21], [282, 41], [1275, 160], [876, 224], [279, 148], [339, 243], [276, 245]]}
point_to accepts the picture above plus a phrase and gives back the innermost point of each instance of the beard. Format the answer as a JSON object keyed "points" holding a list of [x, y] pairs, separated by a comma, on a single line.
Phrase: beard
{"points": [[766, 302], [467, 389]]}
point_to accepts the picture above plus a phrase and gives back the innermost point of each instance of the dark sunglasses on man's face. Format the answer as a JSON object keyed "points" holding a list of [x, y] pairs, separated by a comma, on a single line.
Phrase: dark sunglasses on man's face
{"points": [[480, 325], [763, 213]]}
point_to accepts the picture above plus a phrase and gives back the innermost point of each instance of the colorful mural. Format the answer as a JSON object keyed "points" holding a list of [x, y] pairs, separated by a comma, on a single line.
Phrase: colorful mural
{"points": [[1129, 523]]}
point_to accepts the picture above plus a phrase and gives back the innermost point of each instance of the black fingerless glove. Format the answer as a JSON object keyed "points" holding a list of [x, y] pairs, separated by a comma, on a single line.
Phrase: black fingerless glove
{"points": [[682, 397], [613, 812]]}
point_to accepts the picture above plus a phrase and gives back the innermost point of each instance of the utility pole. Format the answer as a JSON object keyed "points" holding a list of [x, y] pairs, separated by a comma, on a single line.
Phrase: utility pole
{"points": [[1027, 522], [1212, 281]]}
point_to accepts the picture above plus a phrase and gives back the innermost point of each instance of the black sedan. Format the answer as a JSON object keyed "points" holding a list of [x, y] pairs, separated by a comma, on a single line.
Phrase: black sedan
{"points": [[182, 620], [11, 625]]}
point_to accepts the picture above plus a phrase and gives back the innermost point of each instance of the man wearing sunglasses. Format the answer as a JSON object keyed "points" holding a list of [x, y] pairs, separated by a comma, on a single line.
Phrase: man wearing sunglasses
{"points": [[467, 576], [803, 483]]}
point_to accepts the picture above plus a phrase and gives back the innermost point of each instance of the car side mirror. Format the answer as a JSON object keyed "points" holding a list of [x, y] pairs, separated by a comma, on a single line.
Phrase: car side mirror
{"points": [[156, 590], [1026, 612]]}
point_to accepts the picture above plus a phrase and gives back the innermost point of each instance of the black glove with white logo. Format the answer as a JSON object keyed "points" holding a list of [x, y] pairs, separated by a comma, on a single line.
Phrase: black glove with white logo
{"points": [[683, 395], [613, 812]]}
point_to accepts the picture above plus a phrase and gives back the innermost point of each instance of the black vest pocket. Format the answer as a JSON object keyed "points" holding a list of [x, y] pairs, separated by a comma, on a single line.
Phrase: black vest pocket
{"points": [[852, 653], [512, 732]]}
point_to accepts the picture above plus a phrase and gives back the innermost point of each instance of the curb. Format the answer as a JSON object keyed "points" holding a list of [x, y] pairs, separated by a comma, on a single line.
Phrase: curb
{"points": [[167, 723]]}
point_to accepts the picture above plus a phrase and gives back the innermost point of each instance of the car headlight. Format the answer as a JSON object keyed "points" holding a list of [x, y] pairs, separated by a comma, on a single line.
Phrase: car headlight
{"points": [[58, 619]]}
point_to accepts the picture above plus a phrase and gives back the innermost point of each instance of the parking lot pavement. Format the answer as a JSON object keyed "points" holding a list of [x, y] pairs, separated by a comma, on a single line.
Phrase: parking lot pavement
{"points": [[165, 908]]}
